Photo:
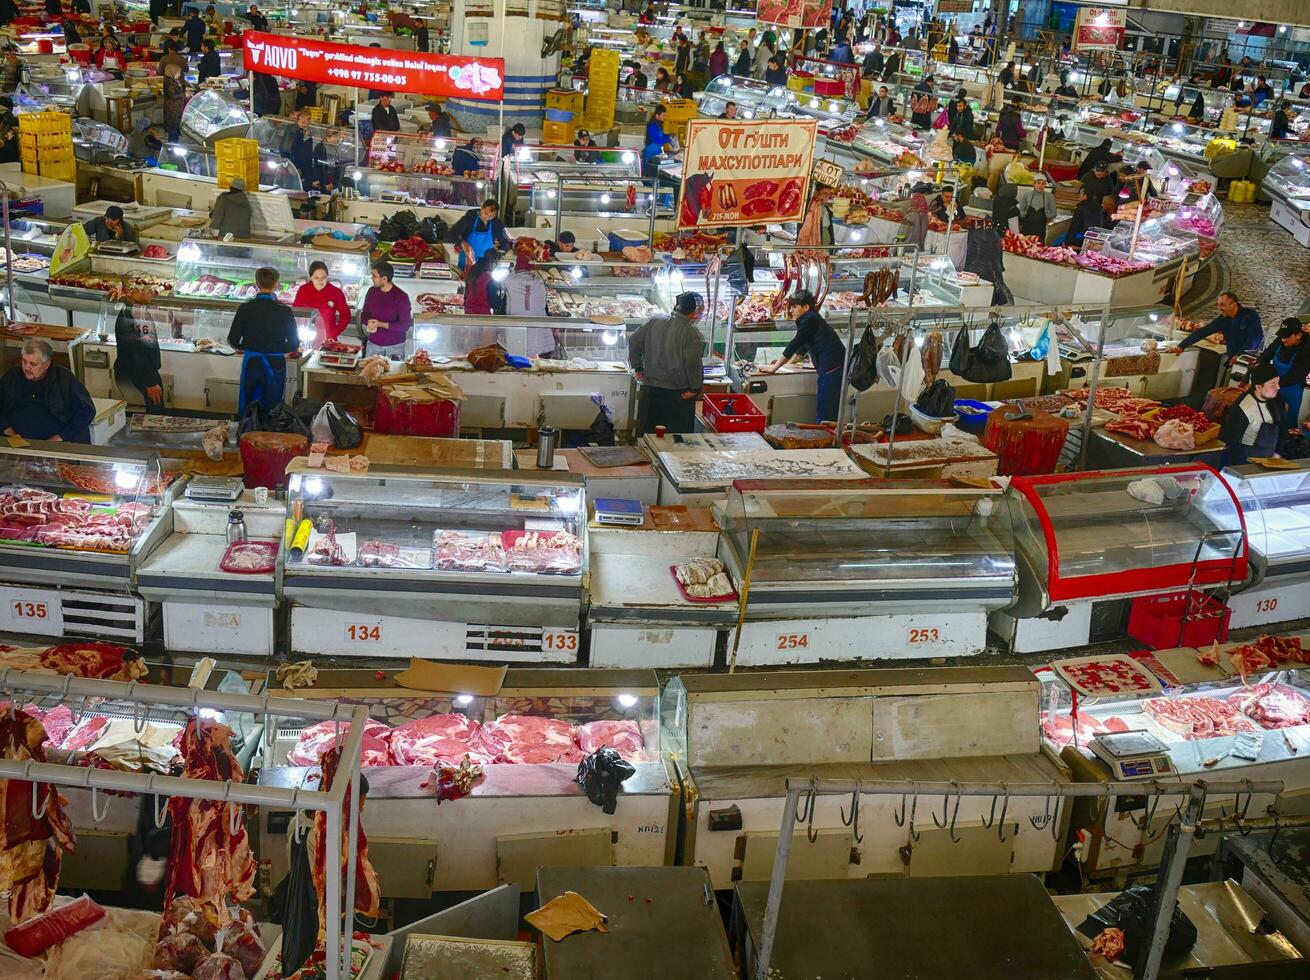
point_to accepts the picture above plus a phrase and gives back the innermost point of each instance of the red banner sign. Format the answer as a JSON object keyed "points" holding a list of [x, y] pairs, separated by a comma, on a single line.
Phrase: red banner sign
{"points": [[738, 173], [448, 76]]}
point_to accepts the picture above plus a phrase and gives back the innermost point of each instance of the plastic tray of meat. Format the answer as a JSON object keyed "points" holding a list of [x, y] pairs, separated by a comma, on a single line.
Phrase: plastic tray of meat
{"points": [[623, 736], [1107, 676], [542, 552], [726, 597], [468, 551], [380, 554], [249, 558], [1199, 717], [529, 739], [1272, 705]]}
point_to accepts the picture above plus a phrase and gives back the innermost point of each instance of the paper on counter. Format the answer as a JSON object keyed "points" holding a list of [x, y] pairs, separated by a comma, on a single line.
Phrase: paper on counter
{"points": [[566, 914]]}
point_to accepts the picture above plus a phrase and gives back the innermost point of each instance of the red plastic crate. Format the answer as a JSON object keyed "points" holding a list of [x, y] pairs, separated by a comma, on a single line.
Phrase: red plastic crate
{"points": [[437, 419], [831, 87], [732, 413], [1157, 620]]}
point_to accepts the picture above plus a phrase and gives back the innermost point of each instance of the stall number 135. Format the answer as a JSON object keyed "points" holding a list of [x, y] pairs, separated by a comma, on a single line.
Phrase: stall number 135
{"points": [[29, 610]]}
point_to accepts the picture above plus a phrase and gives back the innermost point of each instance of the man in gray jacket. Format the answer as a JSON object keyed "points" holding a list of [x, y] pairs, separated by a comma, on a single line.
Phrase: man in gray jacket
{"points": [[231, 214], [665, 355]]}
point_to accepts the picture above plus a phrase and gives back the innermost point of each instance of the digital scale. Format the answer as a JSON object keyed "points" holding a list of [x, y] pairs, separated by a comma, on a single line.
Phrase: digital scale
{"points": [[612, 510], [214, 489], [1132, 755], [118, 248]]}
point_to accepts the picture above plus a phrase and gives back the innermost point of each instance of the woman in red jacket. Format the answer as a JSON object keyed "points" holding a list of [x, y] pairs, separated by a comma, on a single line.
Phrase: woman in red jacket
{"points": [[483, 295], [330, 302]]}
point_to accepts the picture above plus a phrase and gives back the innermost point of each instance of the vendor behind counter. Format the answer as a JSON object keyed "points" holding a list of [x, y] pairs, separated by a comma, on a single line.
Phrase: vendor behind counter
{"points": [[110, 227], [42, 400], [264, 330]]}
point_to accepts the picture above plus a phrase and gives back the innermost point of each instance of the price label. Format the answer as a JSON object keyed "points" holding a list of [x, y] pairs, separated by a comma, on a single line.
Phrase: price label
{"points": [[32, 611], [827, 173], [363, 632], [925, 635], [561, 641], [793, 641]]}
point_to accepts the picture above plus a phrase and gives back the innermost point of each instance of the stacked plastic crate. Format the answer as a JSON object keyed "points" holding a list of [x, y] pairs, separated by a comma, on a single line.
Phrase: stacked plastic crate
{"points": [[563, 108], [46, 142], [602, 90], [238, 158]]}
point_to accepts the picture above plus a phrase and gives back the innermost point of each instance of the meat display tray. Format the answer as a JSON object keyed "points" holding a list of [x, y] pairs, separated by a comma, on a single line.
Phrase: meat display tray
{"points": [[727, 597], [267, 550]]}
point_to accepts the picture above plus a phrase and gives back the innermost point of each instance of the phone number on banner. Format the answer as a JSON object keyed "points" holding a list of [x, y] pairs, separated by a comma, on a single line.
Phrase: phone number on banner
{"points": [[345, 74]]}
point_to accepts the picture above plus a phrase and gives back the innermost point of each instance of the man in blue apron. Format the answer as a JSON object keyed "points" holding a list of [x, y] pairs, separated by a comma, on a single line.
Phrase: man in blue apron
{"points": [[264, 330], [479, 231], [1290, 356]]}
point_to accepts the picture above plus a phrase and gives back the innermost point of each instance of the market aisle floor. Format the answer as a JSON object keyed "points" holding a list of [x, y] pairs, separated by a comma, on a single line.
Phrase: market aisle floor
{"points": [[1259, 261]]}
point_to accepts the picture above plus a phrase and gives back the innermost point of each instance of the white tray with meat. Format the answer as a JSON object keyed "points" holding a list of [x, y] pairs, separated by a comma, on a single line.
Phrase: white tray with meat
{"points": [[381, 554], [1107, 676], [468, 551], [1197, 717], [1272, 706]]}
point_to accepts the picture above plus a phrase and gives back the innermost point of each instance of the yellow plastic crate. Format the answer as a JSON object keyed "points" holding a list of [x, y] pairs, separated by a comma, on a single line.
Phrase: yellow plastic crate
{"points": [[248, 172], [314, 112], [236, 148], [564, 98], [52, 123], [58, 171], [798, 84], [557, 132]]}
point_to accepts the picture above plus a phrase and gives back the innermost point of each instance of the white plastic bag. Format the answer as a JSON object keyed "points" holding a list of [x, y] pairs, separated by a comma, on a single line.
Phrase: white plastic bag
{"points": [[321, 429]]}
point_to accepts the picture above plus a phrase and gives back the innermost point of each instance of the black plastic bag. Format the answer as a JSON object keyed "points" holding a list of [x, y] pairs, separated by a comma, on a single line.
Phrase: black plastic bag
{"points": [[960, 353], [306, 408], [989, 362], [278, 419], [347, 433], [433, 230], [863, 373], [937, 400], [1130, 911], [1297, 446], [740, 269], [294, 906], [398, 226], [900, 423], [600, 774]]}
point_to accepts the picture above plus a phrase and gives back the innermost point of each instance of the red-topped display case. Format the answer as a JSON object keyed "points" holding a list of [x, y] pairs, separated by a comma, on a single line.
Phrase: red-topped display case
{"points": [[1119, 533]]}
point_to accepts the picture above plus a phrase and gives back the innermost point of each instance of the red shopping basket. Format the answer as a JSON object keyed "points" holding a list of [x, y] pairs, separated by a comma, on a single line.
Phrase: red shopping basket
{"points": [[1178, 619], [732, 413]]}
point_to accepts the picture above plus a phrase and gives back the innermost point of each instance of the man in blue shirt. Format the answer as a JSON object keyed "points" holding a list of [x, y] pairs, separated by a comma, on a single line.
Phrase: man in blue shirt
{"points": [[42, 400], [1239, 324]]}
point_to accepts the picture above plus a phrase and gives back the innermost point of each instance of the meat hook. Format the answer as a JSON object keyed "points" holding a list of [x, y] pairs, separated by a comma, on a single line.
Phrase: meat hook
{"points": [[946, 799], [139, 723], [1040, 823], [853, 820], [161, 813], [1148, 812], [900, 817], [77, 715], [96, 813], [295, 826], [914, 806], [1278, 827], [36, 814], [991, 815], [803, 815], [1005, 808], [955, 813], [1240, 810], [811, 834]]}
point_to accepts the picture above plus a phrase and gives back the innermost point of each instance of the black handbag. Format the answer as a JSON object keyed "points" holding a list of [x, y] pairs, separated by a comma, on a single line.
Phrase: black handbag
{"points": [[989, 362], [863, 373], [960, 353], [347, 433], [937, 400]]}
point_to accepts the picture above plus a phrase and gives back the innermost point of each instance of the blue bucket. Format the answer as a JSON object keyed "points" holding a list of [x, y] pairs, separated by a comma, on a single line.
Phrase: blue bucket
{"points": [[619, 240], [973, 421]]}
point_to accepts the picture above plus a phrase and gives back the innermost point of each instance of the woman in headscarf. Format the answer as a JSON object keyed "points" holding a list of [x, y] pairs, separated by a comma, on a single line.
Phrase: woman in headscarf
{"points": [[920, 214], [1036, 208]]}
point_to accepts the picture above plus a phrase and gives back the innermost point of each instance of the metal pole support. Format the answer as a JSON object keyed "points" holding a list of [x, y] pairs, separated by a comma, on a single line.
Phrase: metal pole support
{"points": [[1172, 865], [773, 907]]}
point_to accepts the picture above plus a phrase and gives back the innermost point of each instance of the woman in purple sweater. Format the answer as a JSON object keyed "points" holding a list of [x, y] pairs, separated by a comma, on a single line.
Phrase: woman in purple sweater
{"points": [[386, 315]]}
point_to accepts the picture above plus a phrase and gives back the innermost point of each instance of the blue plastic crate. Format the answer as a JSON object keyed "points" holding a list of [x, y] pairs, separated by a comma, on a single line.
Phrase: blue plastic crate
{"points": [[974, 421], [559, 115]]}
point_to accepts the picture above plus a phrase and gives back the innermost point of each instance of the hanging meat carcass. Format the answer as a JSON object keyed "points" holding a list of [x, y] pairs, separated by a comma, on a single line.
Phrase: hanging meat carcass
{"points": [[209, 858], [31, 847], [368, 891]]}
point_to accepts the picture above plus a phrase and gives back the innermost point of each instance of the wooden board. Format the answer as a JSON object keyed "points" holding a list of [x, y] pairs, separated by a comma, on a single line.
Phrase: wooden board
{"points": [[481, 454]]}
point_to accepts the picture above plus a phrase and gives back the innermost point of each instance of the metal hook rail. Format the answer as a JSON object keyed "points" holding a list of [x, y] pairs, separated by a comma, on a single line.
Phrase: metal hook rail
{"points": [[1171, 869]]}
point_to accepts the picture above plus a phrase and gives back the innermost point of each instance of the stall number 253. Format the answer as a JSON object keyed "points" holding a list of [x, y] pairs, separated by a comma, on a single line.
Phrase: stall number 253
{"points": [[925, 635]]}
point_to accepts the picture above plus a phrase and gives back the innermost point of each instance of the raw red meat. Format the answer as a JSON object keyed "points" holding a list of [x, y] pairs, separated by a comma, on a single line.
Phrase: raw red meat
{"points": [[219, 966], [1114, 675], [207, 861], [1059, 729], [242, 943], [1109, 943], [1199, 717], [181, 951], [623, 736], [185, 914], [543, 552], [375, 750], [31, 848], [368, 891], [90, 658], [1134, 426], [40, 932], [469, 551], [439, 738], [1267, 653], [1272, 705], [526, 739], [58, 722], [85, 734]]}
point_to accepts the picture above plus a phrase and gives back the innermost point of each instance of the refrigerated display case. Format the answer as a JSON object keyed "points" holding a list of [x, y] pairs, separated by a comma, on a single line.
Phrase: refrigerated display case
{"points": [[210, 116], [448, 556], [753, 97], [431, 155], [901, 569], [1206, 720], [1276, 507], [736, 739], [1287, 185], [527, 809], [198, 370], [81, 516], [1186, 143], [212, 269], [334, 146], [1086, 538], [584, 371], [198, 161]]}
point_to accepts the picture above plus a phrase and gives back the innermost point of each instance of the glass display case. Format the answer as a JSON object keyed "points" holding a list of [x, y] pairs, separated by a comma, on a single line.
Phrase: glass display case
{"points": [[1117, 533], [428, 155], [1276, 506], [753, 97], [334, 146], [1289, 180], [882, 140], [274, 169], [210, 116], [599, 346], [213, 269], [463, 547], [843, 543], [1159, 239], [545, 164], [81, 515], [1186, 142]]}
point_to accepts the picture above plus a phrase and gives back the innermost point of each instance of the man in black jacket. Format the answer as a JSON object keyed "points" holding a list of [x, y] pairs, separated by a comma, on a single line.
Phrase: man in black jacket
{"points": [[385, 118], [827, 353], [43, 400], [267, 97], [210, 66], [136, 368], [264, 330], [1100, 182]]}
